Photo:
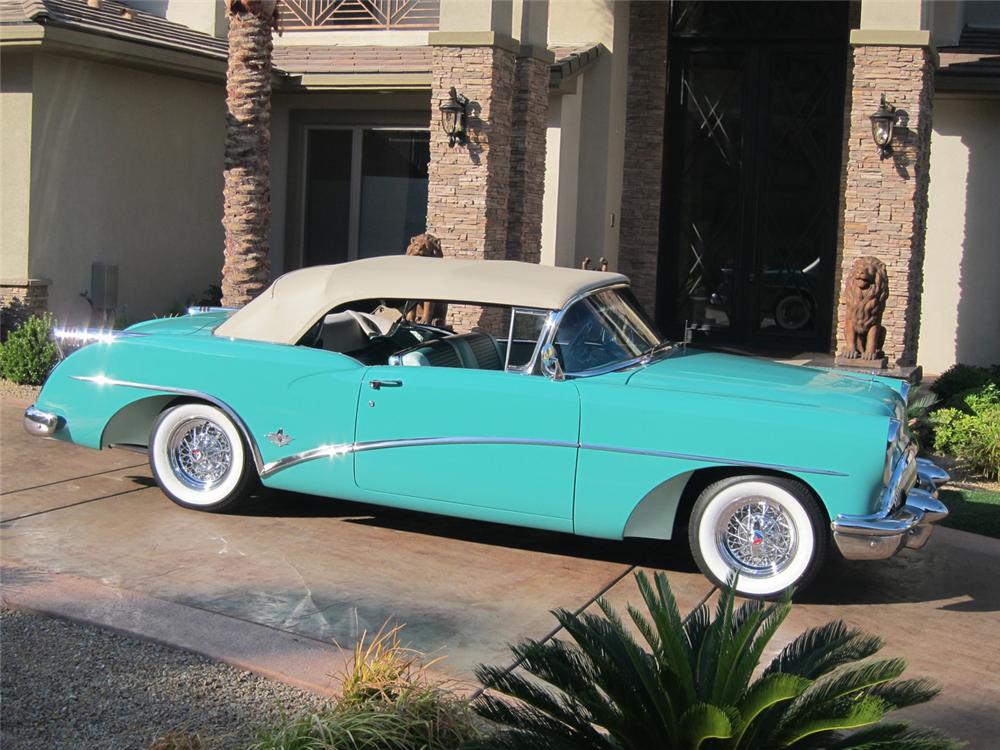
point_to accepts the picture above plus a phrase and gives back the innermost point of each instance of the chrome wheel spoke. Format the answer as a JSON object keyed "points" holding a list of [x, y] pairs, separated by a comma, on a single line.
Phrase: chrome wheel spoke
{"points": [[756, 537], [200, 454]]}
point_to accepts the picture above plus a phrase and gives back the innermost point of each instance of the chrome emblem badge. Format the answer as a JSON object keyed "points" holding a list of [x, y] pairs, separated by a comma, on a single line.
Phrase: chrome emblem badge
{"points": [[279, 438]]}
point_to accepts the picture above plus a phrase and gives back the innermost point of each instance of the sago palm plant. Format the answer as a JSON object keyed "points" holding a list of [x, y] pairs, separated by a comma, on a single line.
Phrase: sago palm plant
{"points": [[693, 684]]}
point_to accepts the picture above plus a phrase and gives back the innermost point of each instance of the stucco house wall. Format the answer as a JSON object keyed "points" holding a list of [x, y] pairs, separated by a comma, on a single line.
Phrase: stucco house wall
{"points": [[961, 298], [15, 174], [126, 168]]}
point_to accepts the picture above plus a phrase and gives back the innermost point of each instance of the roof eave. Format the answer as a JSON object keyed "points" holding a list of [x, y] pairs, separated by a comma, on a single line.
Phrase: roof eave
{"points": [[103, 48]]}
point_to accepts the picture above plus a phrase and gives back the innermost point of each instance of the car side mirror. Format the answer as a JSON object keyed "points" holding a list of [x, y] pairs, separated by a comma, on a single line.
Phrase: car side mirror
{"points": [[550, 363]]}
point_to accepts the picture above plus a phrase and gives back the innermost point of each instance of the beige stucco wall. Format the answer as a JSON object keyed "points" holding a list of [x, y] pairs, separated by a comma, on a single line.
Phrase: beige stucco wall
{"points": [[599, 113], [126, 168], [15, 158], [960, 319]]}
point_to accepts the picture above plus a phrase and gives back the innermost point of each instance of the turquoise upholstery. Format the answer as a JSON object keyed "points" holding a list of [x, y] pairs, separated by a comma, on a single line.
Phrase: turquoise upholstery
{"points": [[474, 351]]}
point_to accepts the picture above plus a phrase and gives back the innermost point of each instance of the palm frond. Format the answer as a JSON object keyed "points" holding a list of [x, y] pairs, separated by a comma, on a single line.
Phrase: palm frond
{"points": [[826, 692], [526, 728], [763, 694], [893, 736], [903, 693], [854, 714], [821, 649], [702, 722]]}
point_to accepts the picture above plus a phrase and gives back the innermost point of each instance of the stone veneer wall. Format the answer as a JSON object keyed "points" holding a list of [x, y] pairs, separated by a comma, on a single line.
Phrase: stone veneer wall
{"points": [[468, 184], [527, 152], [33, 293], [885, 201], [645, 112]]}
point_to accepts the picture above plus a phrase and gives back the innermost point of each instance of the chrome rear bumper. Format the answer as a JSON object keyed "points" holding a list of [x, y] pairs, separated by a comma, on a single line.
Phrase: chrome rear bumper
{"points": [[878, 537], [41, 423]]}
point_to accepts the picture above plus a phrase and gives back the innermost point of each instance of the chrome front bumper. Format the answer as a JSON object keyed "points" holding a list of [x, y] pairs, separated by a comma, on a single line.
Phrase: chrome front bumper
{"points": [[880, 536], [41, 423]]}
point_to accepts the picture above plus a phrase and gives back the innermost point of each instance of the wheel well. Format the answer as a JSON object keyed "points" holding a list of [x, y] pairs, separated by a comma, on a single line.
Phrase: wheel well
{"points": [[131, 425], [701, 478]]}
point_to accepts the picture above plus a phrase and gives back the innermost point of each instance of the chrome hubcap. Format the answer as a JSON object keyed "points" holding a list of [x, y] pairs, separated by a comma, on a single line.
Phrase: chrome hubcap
{"points": [[756, 537], [200, 454]]}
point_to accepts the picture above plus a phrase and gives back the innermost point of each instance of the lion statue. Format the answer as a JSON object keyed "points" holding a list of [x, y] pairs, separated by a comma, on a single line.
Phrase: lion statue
{"points": [[866, 290], [429, 312]]}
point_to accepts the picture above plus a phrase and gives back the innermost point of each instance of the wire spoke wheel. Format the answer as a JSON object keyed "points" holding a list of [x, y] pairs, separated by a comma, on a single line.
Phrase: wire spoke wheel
{"points": [[200, 454], [757, 537], [767, 530], [199, 458]]}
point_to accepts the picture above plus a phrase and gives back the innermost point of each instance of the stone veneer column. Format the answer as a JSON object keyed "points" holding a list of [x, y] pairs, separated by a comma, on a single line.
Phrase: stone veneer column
{"points": [[527, 158], [645, 111], [468, 183], [885, 202]]}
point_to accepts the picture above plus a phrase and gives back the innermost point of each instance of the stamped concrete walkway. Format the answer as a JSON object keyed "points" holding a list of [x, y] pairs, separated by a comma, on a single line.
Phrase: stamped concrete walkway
{"points": [[88, 536]]}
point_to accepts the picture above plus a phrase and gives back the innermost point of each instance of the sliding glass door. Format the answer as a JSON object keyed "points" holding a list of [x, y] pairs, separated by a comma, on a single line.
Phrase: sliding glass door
{"points": [[365, 191]]}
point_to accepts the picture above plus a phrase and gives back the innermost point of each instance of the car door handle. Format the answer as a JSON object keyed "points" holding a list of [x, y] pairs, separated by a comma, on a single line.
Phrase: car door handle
{"points": [[377, 384]]}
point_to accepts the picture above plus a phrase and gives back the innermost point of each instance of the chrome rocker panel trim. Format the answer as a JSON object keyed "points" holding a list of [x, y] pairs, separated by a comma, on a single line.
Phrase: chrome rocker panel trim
{"points": [[41, 423], [881, 536]]}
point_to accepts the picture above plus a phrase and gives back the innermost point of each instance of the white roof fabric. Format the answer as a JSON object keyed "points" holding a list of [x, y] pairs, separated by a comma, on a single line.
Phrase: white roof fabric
{"points": [[295, 301]]}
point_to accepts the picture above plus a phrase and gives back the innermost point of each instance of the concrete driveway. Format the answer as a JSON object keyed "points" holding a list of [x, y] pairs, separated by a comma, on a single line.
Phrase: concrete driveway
{"points": [[88, 535]]}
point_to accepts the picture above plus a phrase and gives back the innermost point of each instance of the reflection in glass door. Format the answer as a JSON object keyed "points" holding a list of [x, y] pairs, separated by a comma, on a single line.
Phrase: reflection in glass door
{"points": [[752, 164], [709, 166], [365, 192]]}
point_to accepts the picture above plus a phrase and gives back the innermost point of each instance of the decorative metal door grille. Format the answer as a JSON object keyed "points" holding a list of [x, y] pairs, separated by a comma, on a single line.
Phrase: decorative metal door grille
{"points": [[360, 14]]}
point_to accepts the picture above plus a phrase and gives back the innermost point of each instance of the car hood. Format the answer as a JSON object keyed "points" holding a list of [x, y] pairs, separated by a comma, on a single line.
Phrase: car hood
{"points": [[740, 377]]}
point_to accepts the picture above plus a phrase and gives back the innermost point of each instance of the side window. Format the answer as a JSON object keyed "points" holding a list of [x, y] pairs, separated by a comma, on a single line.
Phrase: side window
{"points": [[525, 329]]}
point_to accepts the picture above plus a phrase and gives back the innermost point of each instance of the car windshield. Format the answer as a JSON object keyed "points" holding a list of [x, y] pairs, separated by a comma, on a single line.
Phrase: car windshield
{"points": [[604, 329]]}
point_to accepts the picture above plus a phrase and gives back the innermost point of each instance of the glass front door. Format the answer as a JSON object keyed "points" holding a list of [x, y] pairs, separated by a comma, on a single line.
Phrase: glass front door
{"points": [[751, 181], [365, 192]]}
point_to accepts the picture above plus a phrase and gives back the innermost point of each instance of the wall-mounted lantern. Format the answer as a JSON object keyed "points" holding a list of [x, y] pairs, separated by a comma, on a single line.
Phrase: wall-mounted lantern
{"points": [[453, 116], [884, 120]]}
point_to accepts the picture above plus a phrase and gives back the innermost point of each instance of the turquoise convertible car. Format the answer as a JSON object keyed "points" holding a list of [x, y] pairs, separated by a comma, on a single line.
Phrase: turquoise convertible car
{"points": [[553, 403]]}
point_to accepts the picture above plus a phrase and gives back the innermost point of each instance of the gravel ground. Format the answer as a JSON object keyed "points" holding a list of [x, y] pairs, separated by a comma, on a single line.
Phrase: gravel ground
{"points": [[65, 685], [16, 392]]}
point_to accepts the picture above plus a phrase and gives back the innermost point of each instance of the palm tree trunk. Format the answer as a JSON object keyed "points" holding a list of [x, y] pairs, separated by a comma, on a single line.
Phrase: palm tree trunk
{"points": [[247, 189]]}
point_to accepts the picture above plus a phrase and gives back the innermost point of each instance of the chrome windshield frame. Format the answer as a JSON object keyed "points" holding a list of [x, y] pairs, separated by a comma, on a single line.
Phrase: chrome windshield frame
{"points": [[551, 327]]}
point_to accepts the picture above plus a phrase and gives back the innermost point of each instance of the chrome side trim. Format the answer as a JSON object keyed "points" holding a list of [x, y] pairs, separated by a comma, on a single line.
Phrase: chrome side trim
{"points": [[254, 449], [342, 449], [714, 459], [198, 309], [41, 423]]}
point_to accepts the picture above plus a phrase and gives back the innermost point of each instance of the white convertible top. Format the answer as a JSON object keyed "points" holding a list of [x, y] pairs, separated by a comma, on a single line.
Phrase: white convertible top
{"points": [[295, 301]]}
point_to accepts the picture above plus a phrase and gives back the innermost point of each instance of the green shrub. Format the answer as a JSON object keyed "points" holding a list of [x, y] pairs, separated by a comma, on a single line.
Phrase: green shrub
{"points": [[388, 702], [694, 683], [420, 718], [13, 315], [971, 430], [958, 379], [918, 416], [29, 354]]}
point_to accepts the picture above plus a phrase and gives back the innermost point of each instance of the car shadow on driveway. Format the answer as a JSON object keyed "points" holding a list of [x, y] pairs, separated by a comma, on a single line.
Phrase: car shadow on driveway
{"points": [[956, 568], [648, 553]]}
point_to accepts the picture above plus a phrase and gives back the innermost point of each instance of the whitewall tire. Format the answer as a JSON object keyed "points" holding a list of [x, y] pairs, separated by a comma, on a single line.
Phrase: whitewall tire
{"points": [[199, 459], [767, 529]]}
